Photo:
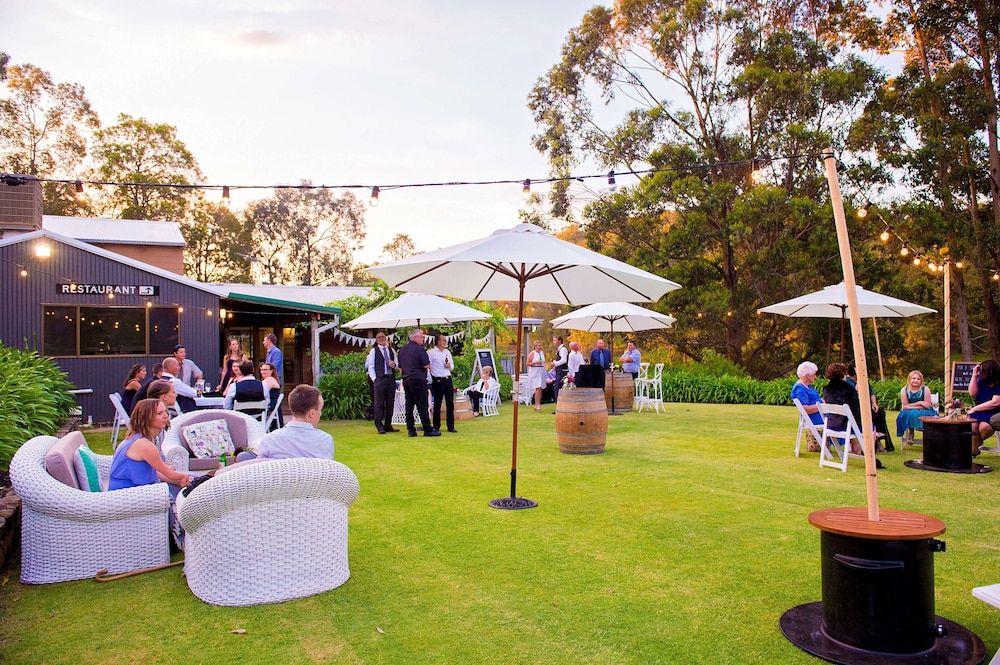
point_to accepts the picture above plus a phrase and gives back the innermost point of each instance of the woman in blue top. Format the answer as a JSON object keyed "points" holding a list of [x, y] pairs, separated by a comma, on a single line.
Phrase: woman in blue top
{"points": [[805, 393], [984, 386], [137, 461], [915, 401]]}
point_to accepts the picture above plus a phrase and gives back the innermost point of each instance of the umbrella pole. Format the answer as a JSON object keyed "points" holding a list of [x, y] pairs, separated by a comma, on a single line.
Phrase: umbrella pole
{"points": [[847, 262], [513, 502]]}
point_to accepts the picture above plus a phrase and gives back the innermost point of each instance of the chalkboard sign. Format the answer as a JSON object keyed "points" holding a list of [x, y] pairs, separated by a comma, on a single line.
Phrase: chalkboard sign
{"points": [[961, 375], [484, 358]]}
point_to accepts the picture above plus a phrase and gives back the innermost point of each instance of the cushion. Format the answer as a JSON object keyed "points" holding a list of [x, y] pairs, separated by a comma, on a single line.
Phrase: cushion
{"points": [[59, 459], [85, 467], [209, 438]]}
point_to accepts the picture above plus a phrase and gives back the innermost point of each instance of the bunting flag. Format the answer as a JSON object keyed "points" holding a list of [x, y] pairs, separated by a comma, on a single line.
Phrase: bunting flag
{"points": [[357, 340]]}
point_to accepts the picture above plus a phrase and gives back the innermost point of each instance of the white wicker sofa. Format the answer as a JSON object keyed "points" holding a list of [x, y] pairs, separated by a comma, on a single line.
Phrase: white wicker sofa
{"points": [[246, 432], [71, 534], [268, 531]]}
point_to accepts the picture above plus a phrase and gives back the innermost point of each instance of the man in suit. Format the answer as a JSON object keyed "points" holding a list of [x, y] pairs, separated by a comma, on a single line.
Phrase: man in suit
{"points": [[602, 357], [381, 367]]}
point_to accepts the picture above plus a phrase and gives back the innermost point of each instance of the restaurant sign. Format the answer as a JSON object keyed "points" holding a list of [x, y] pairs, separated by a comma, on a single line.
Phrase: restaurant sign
{"points": [[105, 289]]}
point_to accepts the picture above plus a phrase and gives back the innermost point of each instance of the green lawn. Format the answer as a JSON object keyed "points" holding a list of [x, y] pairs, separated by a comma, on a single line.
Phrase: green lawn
{"points": [[683, 543]]}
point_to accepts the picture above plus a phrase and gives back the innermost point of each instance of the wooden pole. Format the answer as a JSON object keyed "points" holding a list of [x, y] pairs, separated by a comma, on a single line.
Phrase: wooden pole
{"points": [[844, 241], [878, 350], [947, 331]]}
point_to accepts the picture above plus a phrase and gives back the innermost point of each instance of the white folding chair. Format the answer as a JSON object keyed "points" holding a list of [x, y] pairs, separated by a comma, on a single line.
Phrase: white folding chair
{"points": [[273, 416], [255, 408], [121, 418], [806, 425], [840, 438], [488, 402], [989, 594], [651, 390]]}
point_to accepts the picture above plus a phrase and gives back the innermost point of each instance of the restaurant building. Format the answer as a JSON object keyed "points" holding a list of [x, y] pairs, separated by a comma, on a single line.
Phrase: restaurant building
{"points": [[99, 295]]}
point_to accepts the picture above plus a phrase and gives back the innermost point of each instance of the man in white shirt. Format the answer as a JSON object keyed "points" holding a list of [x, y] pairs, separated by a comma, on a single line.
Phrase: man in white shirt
{"points": [[381, 367], [189, 372], [300, 437], [185, 393], [560, 364], [575, 359], [441, 385]]}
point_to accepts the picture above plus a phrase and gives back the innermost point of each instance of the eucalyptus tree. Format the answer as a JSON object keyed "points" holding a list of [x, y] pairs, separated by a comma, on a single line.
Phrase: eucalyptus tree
{"points": [[154, 172], [700, 92], [45, 129], [217, 244], [306, 235]]}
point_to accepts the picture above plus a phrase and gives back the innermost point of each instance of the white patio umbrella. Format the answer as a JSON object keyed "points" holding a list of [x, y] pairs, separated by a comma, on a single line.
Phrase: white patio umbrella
{"points": [[606, 316], [523, 263], [416, 309], [831, 303]]}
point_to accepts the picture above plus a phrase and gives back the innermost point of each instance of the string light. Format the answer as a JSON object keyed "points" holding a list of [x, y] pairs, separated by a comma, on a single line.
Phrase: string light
{"points": [[24, 271], [904, 250], [863, 210], [225, 195], [611, 182], [756, 169], [959, 265], [916, 260], [80, 194], [886, 234], [526, 190], [373, 201]]}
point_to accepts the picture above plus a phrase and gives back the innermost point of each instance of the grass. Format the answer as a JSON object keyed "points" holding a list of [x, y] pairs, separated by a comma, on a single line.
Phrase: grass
{"points": [[683, 543]]}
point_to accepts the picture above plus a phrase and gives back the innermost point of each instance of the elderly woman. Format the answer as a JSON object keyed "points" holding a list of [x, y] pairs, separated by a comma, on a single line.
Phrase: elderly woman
{"points": [[809, 398], [984, 386], [915, 401], [485, 383]]}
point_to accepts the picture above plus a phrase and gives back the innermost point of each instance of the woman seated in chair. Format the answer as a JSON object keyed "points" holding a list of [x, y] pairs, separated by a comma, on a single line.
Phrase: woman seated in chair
{"points": [[485, 383], [984, 386], [133, 382], [269, 378], [803, 391], [166, 393], [915, 401], [839, 391]]}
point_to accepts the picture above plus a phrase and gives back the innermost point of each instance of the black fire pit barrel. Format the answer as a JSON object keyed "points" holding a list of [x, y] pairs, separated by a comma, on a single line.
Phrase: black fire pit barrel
{"points": [[947, 443], [878, 578]]}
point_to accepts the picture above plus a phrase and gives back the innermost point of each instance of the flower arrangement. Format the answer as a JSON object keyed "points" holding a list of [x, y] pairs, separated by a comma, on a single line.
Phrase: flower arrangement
{"points": [[954, 410], [569, 381]]}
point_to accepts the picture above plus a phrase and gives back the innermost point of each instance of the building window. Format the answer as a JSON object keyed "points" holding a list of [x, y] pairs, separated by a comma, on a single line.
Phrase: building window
{"points": [[100, 331]]}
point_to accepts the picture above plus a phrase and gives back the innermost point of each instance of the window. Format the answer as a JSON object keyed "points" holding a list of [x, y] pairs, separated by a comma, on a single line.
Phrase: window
{"points": [[109, 330]]}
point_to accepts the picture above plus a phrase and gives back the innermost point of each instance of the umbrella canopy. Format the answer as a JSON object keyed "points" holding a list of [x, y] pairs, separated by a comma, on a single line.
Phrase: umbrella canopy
{"points": [[415, 309], [608, 316], [612, 316], [522, 263], [831, 303]]}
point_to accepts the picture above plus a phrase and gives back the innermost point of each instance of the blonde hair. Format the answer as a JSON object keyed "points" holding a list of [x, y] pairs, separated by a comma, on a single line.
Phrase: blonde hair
{"points": [[918, 373]]}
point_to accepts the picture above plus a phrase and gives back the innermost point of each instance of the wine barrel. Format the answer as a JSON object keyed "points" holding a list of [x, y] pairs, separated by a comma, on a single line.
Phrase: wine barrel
{"points": [[581, 421], [623, 391], [463, 407]]}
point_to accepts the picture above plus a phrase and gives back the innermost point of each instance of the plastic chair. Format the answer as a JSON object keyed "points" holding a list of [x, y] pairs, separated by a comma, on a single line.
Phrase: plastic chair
{"points": [[840, 438], [489, 401], [272, 417], [806, 424], [121, 418]]}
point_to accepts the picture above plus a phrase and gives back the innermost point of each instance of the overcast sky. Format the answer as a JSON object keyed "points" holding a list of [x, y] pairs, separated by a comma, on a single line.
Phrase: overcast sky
{"points": [[375, 92]]}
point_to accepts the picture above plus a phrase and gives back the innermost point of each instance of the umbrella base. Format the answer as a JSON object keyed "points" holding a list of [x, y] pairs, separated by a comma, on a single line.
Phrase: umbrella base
{"points": [[513, 503], [803, 626], [919, 464]]}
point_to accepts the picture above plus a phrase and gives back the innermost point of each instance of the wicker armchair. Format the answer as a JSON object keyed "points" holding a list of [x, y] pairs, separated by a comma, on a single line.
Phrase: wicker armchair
{"points": [[268, 531], [246, 431], [70, 534]]}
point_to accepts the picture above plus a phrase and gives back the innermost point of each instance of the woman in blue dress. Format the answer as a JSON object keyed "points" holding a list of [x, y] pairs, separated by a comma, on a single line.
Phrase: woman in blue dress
{"points": [[137, 461], [809, 398], [915, 400], [984, 386]]}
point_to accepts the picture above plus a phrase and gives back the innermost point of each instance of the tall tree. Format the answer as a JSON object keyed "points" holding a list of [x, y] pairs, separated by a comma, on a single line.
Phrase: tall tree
{"points": [[400, 247], [712, 86], [306, 235], [45, 128], [146, 154], [218, 243]]}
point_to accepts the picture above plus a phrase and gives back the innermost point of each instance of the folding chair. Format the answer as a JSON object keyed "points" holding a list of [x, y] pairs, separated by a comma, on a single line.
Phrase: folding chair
{"points": [[989, 594], [806, 424], [488, 402], [840, 438], [255, 408], [272, 417], [121, 418]]}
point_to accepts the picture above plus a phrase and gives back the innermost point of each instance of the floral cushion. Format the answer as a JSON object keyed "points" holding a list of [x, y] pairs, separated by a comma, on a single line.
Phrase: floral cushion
{"points": [[208, 439]]}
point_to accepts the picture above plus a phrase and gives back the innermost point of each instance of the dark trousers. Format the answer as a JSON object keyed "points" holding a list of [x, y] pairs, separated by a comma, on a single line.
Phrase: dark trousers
{"points": [[561, 373], [384, 399], [441, 387], [415, 391], [878, 420]]}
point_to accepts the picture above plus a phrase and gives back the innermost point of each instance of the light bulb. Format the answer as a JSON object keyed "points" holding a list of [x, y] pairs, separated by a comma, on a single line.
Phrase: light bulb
{"points": [[863, 210], [225, 195], [526, 190], [916, 260], [612, 186], [80, 194], [373, 201], [885, 236], [904, 251]]}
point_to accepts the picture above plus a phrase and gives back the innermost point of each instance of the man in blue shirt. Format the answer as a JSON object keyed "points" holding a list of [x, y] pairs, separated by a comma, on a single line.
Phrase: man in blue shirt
{"points": [[274, 355], [299, 437], [631, 360]]}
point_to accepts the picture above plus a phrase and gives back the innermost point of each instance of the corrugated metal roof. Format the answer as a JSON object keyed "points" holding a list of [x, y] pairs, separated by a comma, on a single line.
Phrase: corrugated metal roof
{"points": [[117, 231], [315, 295]]}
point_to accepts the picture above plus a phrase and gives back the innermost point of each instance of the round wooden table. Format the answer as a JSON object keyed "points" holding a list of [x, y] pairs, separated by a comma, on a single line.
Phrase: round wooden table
{"points": [[947, 446]]}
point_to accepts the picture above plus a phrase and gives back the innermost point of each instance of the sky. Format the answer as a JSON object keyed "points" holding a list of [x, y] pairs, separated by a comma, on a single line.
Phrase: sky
{"points": [[379, 92]]}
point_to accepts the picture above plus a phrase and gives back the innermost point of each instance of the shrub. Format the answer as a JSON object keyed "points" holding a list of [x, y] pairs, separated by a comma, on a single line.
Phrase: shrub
{"points": [[33, 399], [345, 395]]}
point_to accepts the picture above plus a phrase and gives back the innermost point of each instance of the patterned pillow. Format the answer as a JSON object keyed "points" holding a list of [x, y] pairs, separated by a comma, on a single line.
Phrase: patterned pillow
{"points": [[208, 439], [85, 466]]}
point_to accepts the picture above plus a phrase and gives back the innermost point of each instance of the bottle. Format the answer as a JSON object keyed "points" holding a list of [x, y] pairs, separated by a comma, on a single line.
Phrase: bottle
{"points": [[222, 460]]}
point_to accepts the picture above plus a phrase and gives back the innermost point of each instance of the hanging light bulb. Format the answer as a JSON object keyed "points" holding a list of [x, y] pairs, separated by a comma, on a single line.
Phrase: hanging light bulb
{"points": [[756, 166], [373, 201], [225, 196], [80, 194], [24, 272], [611, 181], [958, 264], [916, 260], [863, 210], [526, 190], [932, 266], [904, 251], [995, 277], [886, 234]]}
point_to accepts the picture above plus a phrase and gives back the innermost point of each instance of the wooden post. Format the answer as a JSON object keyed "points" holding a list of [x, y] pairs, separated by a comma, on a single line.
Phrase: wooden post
{"points": [[947, 331], [878, 350], [844, 241]]}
